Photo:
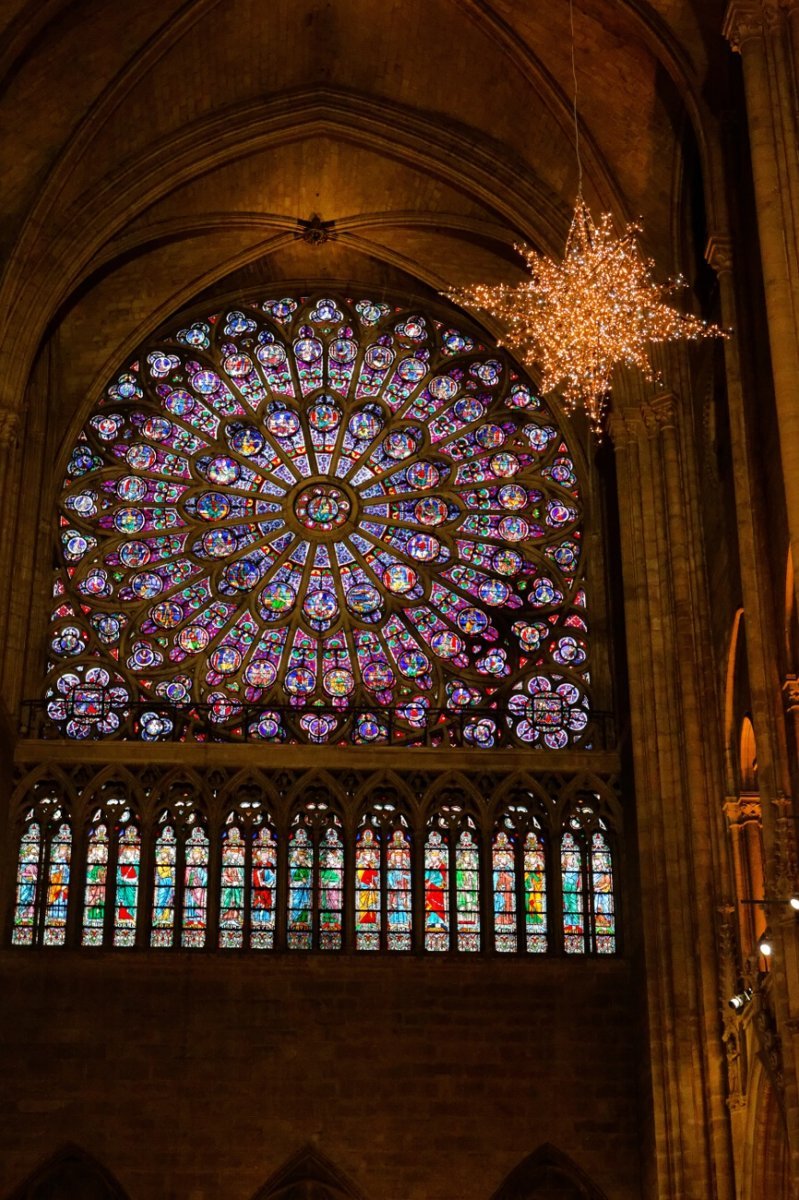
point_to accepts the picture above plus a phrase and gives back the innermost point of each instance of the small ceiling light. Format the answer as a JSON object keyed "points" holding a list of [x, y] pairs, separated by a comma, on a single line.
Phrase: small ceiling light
{"points": [[739, 1002], [794, 902], [765, 945]]}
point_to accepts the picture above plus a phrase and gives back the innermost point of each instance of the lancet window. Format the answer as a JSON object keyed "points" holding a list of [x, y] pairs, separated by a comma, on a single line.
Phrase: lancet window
{"points": [[43, 876], [180, 881], [533, 878], [248, 882], [519, 874], [451, 881], [383, 880], [112, 876], [315, 880], [588, 907]]}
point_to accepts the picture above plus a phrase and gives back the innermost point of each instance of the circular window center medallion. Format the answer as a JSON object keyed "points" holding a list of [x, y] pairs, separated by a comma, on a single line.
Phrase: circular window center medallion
{"points": [[322, 507]]}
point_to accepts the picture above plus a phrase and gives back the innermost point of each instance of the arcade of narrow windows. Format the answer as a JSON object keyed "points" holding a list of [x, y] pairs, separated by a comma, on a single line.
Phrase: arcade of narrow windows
{"points": [[531, 877]]}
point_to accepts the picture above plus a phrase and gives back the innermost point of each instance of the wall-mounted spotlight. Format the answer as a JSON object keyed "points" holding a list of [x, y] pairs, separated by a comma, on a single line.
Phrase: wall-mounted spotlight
{"points": [[794, 903], [766, 945], [739, 1002]]}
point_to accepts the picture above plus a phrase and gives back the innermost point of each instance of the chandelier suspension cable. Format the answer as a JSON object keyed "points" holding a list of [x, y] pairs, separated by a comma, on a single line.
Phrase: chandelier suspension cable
{"points": [[574, 105]]}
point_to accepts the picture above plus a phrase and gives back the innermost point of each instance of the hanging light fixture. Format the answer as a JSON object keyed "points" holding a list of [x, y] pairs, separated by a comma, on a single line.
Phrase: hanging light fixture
{"points": [[598, 308]]}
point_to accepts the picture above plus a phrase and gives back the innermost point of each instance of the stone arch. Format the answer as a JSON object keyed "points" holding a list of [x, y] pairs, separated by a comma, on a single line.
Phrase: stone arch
{"points": [[309, 1175], [119, 773], [766, 1169], [548, 1174], [70, 1174], [247, 777]]}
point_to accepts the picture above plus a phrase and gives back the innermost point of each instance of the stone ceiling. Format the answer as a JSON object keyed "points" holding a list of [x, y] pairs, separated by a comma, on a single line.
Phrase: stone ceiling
{"points": [[156, 151]]}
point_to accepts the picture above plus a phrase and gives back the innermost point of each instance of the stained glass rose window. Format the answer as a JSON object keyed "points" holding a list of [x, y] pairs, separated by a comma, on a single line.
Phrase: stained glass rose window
{"points": [[322, 520]]}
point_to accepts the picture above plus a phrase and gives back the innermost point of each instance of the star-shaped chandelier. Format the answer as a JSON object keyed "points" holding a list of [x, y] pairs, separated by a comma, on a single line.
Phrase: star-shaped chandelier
{"points": [[577, 319]]}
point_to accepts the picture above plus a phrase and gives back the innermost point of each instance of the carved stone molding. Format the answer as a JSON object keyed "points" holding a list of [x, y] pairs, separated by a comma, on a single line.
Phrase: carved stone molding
{"points": [[625, 427], [718, 252], [790, 693], [743, 21], [660, 412], [9, 425]]}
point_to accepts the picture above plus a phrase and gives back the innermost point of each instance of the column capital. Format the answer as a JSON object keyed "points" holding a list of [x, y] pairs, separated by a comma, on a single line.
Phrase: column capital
{"points": [[660, 412], [625, 426], [743, 21], [718, 252]]}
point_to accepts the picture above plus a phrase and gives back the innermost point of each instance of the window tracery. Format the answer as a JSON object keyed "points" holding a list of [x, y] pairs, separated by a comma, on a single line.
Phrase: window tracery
{"points": [[321, 520], [252, 871]]}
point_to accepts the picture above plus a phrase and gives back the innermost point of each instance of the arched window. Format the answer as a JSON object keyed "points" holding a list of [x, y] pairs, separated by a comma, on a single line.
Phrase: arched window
{"points": [[248, 865], [43, 873], [589, 905], [111, 886], [180, 882], [519, 883], [383, 896], [315, 880], [451, 882], [321, 519]]}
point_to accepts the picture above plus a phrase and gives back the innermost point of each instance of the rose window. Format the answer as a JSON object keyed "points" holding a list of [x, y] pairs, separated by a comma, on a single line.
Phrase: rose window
{"points": [[325, 521]]}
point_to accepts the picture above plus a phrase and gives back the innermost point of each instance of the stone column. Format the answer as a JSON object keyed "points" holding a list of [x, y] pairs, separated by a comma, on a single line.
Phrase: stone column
{"points": [[678, 790], [761, 31], [766, 694]]}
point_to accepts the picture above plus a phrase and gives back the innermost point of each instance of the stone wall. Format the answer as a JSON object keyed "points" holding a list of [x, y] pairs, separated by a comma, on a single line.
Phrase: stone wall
{"points": [[195, 1077]]}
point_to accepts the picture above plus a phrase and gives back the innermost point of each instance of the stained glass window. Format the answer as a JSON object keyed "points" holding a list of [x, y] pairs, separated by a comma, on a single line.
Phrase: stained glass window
{"points": [[317, 520], [602, 895], [452, 882], [572, 861], [180, 881], [248, 882], [436, 891], [195, 889], [128, 867], [57, 882], [29, 867], [233, 888], [43, 877], [520, 883], [535, 893], [164, 887], [316, 881], [383, 897], [111, 883], [505, 886], [94, 893]]}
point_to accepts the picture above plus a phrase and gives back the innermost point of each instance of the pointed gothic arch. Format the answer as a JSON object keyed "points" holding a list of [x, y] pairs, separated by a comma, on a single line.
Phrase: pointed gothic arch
{"points": [[309, 1175], [70, 1174], [548, 1174]]}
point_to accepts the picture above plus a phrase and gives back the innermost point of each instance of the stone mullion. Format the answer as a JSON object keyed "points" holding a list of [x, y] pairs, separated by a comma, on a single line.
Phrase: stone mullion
{"points": [[674, 1164], [772, 135]]}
